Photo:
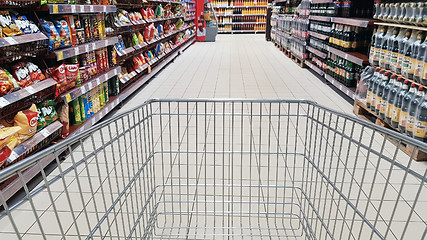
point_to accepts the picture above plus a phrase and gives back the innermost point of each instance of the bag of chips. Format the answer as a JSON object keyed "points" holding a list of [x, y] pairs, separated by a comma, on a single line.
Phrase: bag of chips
{"points": [[35, 72], [63, 117], [41, 121], [8, 27], [23, 23], [7, 150], [72, 75], [52, 34], [59, 76], [150, 13], [135, 40], [140, 37], [144, 14], [27, 120], [22, 74], [64, 33], [160, 29], [48, 111], [6, 134], [147, 33], [6, 84]]}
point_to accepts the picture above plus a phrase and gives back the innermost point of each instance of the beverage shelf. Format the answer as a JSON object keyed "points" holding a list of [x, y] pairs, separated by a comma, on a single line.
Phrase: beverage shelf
{"points": [[243, 31], [14, 97], [21, 39], [84, 48], [73, 8], [321, 1], [263, 6], [358, 22], [242, 23], [318, 35], [189, 19], [240, 15], [78, 91], [401, 26], [347, 91], [314, 67], [357, 58], [320, 18], [317, 52]]}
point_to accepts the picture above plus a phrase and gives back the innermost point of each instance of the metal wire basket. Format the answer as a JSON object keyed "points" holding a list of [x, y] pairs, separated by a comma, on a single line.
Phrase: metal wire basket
{"points": [[215, 169]]}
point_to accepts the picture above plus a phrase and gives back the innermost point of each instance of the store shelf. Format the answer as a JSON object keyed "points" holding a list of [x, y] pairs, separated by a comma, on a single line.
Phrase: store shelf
{"points": [[243, 31], [78, 91], [228, 7], [320, 18], [318, 35], [189, 19], [31, 143], [347, 91], [357, 58], [164, 1], [21, 39], [317, 52], [314, 67], [321, 1], [84, 48], [126, 51], [358, 22], [242, 23], [407, 26], [14, 97], [240, 15], [73, 8]]}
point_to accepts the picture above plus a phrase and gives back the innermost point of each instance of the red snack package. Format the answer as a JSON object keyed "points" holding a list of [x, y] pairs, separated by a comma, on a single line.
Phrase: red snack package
{"points": [[27, 120], [60, 77], [144, 14], [142, 59], [147, 33], [150, 13], [72, 75], [35, 72], [72, 27], [152, 30], [22, 74]]}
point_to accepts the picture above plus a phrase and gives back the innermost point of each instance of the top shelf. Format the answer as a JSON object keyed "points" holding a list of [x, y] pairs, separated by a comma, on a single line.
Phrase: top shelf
{"points": [[263, 6], [74, 8], [401, 26], [358, 22]]}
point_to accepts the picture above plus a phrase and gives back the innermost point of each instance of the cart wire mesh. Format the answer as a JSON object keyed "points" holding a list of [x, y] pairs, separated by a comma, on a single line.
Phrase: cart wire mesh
{"points": [[223, 169]]}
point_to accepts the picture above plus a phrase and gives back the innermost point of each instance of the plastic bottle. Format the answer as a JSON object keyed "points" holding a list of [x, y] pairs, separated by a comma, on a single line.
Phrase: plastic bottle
{"points": [[380, 92], [402, 12], [401, 55], [398, 104], [383, 50], [397, 13], [375, 90], [384, 103], [389, 49], [407, 54], [392, 97], [414, 54], [378, 41], [420, 127], [419, 62], [371, 87], [378, 10], [372, 46], [394, 49], [418, 99], [407, 99]]}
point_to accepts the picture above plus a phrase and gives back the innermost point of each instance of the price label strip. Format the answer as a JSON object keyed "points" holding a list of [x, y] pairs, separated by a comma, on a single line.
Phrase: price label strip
{"points": [[30, 90], [13, 156], [45, 132], [3, 102]]}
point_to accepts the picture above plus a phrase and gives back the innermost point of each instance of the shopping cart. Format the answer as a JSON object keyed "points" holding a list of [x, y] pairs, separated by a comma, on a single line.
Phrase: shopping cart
{"points": [[215, 169]]}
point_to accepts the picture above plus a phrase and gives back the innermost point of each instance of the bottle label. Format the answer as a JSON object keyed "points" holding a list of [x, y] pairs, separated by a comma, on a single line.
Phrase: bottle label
{"points": [[388, 57], [420, 129], [347, 4], [354, 45], [374, 100], [345, 44], [403, 116], [424, 74], [372, 53], [379, 103], [410, 124], [419, 69], [389, 110], [383, 107], [395, 114], [377, 54], [399, 60], [368, 97], [383, 55], [412, 64]]}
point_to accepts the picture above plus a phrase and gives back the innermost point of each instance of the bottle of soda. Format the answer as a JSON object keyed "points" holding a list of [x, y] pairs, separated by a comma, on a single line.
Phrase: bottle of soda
{"points": [[377, 82], [407, 99], [407, 54], [380, 92], [419, 97], [383, 46], [398, 103], [378, 41], [384, 104], [371, 86], [372, 47], [392, 97], [394, 48], [420, 127], [389, 48], [414, 55], [401, 55], [338, 8], [346, 8]]}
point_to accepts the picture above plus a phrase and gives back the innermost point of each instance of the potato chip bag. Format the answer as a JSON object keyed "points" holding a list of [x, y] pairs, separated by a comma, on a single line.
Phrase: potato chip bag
{"points": [[7, 25], [27, 120]]}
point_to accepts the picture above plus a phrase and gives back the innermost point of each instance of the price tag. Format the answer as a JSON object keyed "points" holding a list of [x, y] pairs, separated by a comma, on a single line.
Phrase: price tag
{"points": [[68, 98], [54, 8], [89, 84], [93, 121], [3, 102], [98, 82], [83, 89], [77, 51], [149, 69], [340, 87], [94, 46], [91, 8], [86, 48], [73, 8], [82, 8], [13, 156], [10, 40], [60, 55], [45, 132], [104, 8], [30, 89]]}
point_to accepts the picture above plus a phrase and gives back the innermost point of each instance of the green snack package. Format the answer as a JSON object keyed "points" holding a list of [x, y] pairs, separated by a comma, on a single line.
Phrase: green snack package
{"points": [[106, 92], [48, 111], [82, 109], [101, 95], [135, 40], [41, 122], [75, 112]]}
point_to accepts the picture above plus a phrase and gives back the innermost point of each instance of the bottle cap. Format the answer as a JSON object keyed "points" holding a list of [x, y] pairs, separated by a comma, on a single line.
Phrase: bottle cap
{"points": [[401, 78], [420, 88], [413, 85], [382, 71], [377, 69], [386, 73], [393, 76]]}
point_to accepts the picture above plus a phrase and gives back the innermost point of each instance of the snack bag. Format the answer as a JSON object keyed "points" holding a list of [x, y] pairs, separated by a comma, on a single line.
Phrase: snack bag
{"points": [[135, 40], [147, 33], [150, 13], [64, 33], [63, 117], [35, 72], [159, 11], [52, 34], [6, 134], [72, 75], [72, 27], [75, 112], [138, 16], [22, 74], [48, 111], [8, 27], [7, 150], [41, 121], [60, 77], [144, 14], [140, 37], [153, 31], [6, 84], [23, 24], [27, 120], [82, 109], [160, 29]]}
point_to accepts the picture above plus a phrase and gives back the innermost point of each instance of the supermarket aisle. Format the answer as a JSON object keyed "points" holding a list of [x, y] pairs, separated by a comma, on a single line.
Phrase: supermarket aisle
{"points": [[237, 66]]}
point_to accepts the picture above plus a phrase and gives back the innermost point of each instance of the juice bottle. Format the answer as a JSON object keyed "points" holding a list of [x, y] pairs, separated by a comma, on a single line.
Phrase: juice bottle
{"points": [[394, 48], [371, 87], [406, 64], [406, 101], [419, 97], [378, 41], [419, 63], [385, 99], [392, 96], [390, 48], [401, 55], [380, 92], [420, 127], [395, 116], [414, 55], [375, 90], [383, 50]]}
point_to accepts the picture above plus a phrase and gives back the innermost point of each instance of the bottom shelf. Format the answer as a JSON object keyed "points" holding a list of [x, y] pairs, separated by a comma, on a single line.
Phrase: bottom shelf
{"points": [[346, 90]]}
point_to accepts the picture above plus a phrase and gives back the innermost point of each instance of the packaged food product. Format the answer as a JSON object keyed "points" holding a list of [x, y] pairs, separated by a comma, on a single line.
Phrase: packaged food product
{"points": [[140, 37], [41, 121], [26, 26], [135, 40], [8, 27], [6, 134], [147, 33], [22, 74], [7, 82], [52, 34], [159, 11], [82, 109], [75, 112], [144, 14], [64, 119], [153, 31], [27, 120], [7, 150], [150, 13], [64, 33], [48, 111], [60, 77], [35, 73], [72, 75], [95, 27], [71, 25], [160, 29], [105, 88]]}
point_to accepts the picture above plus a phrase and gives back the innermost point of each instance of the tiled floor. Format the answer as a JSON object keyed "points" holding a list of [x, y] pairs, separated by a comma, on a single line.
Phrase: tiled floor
{"points": [[204, 170]]}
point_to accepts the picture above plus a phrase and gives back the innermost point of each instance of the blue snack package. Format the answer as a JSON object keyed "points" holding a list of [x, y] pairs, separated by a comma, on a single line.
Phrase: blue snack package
{"points": [[52, 34], [159, 49], [64, 33], [160, 29]]}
